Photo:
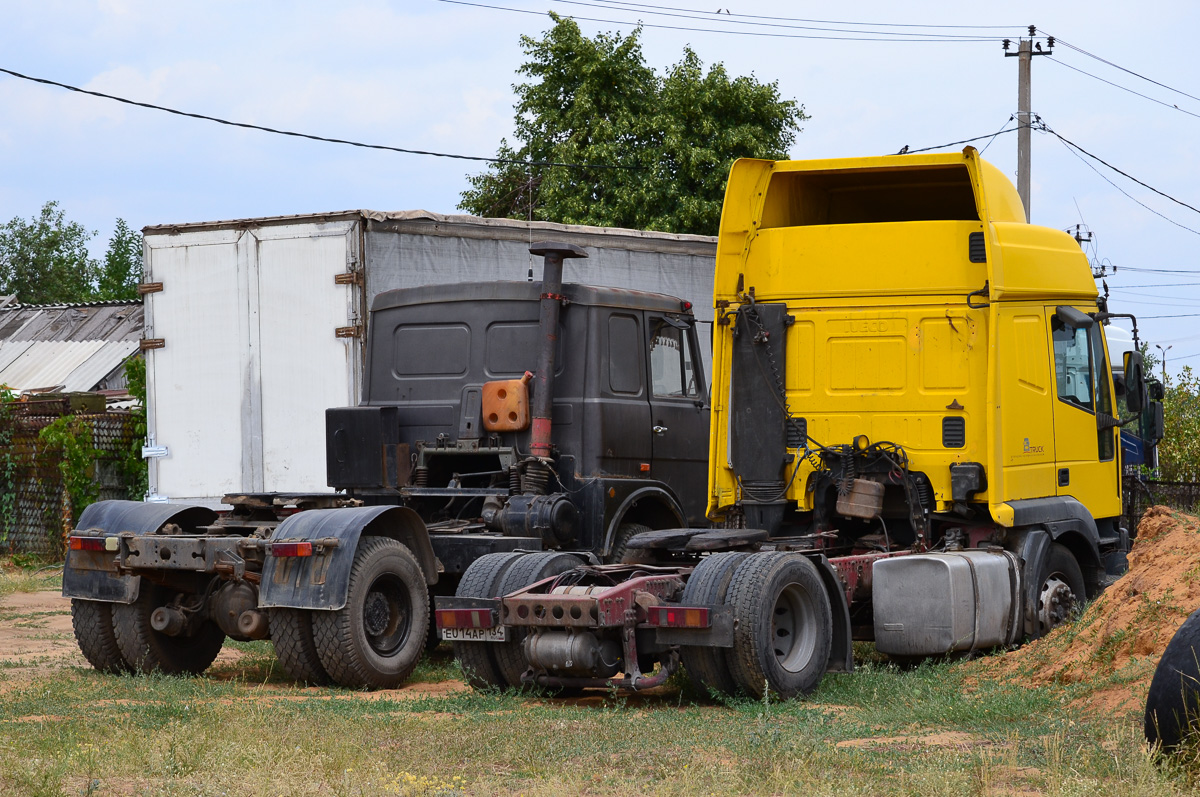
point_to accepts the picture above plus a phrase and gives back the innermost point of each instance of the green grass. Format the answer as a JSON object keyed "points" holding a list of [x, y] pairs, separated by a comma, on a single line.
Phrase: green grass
{"points": [[245, 730]]}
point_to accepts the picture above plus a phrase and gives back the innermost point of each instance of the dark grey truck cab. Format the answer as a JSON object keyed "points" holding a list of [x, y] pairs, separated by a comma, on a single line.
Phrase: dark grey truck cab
{"points": [[629, 419]]}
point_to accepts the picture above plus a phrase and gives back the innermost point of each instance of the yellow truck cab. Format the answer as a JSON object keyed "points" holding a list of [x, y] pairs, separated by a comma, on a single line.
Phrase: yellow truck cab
{"points": [[902, 360]]}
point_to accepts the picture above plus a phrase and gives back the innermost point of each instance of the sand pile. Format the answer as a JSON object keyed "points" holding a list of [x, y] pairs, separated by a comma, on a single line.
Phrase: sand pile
{"points": [[1116, 645]]}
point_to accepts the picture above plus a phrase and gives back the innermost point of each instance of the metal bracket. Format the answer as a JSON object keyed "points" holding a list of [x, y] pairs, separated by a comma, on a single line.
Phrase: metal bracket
{"points": [[151, 343], [154, 452], [149, 287], [349, 332]]}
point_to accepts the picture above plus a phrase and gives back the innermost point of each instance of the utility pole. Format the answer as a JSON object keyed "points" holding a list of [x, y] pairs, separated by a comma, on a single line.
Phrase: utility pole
{"points": [[1025, 52]]}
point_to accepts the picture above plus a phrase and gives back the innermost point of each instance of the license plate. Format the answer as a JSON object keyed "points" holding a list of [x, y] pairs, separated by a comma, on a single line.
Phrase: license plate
{"points": [[495, 634]]}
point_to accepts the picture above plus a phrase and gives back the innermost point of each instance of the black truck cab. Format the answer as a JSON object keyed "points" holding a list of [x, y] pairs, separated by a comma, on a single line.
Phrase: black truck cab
{"points": [[629, 418]]}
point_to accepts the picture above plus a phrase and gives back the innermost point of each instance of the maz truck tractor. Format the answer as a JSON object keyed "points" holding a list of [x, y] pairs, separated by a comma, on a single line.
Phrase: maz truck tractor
{"points": [[914, 441], [497, 417]]}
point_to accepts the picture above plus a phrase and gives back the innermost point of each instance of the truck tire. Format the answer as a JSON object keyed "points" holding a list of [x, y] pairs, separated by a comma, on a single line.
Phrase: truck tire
{"points": [[1061, 591], [529, 569], [292, 636], [478, 659], [707, 586], [783, 625], [1173, 703], [621, 541], [92, 622], [147, 650], [377, 638]]}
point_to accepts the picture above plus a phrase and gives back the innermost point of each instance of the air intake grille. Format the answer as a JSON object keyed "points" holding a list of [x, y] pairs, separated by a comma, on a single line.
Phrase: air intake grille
{"points": [[954, 431], [797, 433], [976, 250]]}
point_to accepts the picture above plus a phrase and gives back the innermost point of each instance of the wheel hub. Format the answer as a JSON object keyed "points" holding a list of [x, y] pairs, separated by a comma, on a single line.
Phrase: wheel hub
{"points": [[376, 614], [1056, 603], [793, 628]]}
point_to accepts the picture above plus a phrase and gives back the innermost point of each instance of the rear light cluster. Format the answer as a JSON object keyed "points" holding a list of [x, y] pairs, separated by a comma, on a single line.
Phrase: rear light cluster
{"points": [[94, 544], [678, 617], [464, 618], [291, 549]]}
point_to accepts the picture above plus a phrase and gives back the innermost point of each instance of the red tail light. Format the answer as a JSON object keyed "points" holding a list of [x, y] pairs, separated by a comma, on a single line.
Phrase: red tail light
{"points": [[678, 617], [291, 549], [91, 543], [464, 618]]}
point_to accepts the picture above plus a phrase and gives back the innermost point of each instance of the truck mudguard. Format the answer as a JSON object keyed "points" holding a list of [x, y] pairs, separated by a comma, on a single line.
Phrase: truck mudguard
{"points": [[646, 502], [841, 649], [321, 581], [1064, 516], [94, 577], [1032, 547]]}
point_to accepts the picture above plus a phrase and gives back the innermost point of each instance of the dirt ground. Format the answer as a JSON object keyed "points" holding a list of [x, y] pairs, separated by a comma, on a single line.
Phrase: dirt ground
{"points": [[36, 638], [1123, 632]]}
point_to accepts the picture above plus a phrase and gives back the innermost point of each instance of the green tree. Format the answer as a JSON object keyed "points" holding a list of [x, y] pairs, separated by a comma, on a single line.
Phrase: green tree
{"points": [[595, 101], [121, 271], [1179, 450], [46, 260]]}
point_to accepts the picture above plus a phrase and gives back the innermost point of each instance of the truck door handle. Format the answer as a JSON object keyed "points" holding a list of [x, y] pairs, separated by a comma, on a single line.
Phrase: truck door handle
{"points": [[659, 430]]}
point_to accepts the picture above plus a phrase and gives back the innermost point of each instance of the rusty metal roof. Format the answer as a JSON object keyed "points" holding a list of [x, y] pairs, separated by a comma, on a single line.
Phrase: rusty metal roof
{"points": [[66, 347]]}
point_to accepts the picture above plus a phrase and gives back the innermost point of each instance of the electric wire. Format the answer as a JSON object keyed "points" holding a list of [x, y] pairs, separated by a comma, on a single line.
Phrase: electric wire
{"points": [[702, 16], [1124, 88], [818, 21], [1098, 159], [1082, 51], [1004, 129], [309, 136], [874, 38], [1104, 177]]}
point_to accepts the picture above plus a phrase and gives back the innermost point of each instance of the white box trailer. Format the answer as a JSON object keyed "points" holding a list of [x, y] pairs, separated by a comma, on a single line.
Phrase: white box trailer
{"points": [[255, 327]]}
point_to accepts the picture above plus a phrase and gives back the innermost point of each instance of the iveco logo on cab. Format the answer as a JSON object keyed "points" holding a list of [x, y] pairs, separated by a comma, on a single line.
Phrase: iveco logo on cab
{"points": [[1032, 449]]}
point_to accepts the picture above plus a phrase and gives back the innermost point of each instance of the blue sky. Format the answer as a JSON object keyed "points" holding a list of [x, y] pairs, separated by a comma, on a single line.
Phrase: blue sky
{"points": [[425, 74]]}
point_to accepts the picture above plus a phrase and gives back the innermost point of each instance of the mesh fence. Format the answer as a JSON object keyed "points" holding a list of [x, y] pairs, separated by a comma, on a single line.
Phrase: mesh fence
{"points": [[1141, 494], [37, 508]]}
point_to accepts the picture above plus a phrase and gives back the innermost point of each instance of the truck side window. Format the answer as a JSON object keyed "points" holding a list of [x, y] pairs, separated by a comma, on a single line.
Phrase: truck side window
{"points": [[1104, 403], [624, 363], [672, 368], [1073, 365]]}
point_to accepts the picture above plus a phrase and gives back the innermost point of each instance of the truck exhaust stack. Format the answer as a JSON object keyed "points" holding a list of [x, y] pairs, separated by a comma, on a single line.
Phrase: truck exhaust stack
{"points": [[543, 393]]}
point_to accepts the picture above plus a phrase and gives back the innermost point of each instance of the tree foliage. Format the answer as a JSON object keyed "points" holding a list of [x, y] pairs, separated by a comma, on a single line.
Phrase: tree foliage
{"points": [[1179, 450], [45, 260], [672, 138]]}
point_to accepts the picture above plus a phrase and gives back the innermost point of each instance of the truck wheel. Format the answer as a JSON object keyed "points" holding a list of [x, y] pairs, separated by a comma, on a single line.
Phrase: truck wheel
{"points": [[147, 650], [482, 580], [529, 569], [708, 586], [92, 622], [376, 639], [292, 636], [783, 625], [621, 541], [1061, 593], [1173, 703]]}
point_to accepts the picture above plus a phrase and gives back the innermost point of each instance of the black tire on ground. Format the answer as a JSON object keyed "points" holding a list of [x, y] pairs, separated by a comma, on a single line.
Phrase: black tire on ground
{"points": [[482, 580], [1061, 590], [292, 636], [92, 622], [377, 638], [621, 539], [1173, 703], [708, 586], [147, 650], [783, 625], [529, 569]]}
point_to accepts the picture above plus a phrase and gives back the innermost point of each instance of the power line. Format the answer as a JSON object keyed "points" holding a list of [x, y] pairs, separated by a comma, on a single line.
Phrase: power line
{"points": [[726, 19], [1123, 69], [1118, 171], [1181, 315], [1124, 88], [907, 151], [817, 21], [1157, 285], [873, 38], [1123, 191], [310, 136]]}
